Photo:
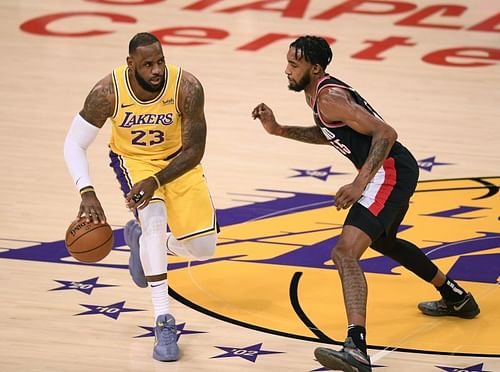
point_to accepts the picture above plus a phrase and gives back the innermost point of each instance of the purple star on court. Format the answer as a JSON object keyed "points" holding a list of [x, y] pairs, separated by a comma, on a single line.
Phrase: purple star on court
{"points": [[85, 286], [475, 368], [249, 353], [111, 311], [180, 331], [321, 173], [428, 163]]}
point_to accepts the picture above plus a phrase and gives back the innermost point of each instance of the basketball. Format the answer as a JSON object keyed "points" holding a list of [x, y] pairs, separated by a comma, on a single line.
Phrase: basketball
{"points": [[89, 242]]}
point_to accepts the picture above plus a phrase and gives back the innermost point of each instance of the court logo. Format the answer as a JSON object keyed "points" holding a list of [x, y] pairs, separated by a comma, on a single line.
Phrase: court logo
{"points": [[272, 271]]}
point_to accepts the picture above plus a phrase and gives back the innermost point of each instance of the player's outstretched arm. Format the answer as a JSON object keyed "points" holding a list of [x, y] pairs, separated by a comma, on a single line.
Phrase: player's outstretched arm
{"points": [[303, 134], [99, 105]]}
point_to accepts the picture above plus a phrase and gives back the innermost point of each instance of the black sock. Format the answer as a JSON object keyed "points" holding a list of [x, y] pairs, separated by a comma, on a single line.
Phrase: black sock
{"points": [[451, 291], [358, 335]]}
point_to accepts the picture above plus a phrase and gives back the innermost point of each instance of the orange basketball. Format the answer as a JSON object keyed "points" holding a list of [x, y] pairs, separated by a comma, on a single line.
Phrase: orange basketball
{"points": [[89, 242]]}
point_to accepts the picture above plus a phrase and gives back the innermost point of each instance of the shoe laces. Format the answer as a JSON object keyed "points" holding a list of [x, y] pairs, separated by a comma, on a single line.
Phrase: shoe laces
{"points": [[167, 331], [442, 304]]}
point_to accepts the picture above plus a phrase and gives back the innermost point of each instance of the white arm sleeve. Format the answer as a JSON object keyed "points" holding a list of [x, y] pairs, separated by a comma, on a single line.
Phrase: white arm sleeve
{"points": [[80, 135]]}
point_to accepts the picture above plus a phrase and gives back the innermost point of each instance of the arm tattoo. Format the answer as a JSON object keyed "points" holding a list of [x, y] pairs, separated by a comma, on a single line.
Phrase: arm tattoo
{"points": [[378, 153], [193, 130], [193, 97], [305, 134], [194, 127], [98, 105]]}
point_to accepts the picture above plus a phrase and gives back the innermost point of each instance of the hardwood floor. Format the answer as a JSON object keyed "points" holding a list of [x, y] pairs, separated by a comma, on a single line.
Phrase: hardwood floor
{"points": [[270, 295]]}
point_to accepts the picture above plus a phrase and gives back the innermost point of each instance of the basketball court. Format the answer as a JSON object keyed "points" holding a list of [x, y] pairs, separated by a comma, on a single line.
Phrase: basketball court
{"points": [[270, 295]]}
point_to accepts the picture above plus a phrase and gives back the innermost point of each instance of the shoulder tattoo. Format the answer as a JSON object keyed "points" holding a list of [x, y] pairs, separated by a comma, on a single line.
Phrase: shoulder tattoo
{"points": [[193, 96], [99, 104]]}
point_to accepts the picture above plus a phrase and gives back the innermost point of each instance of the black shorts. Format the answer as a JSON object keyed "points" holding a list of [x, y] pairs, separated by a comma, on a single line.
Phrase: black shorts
{"points": [[374, 226], [385, 200]]}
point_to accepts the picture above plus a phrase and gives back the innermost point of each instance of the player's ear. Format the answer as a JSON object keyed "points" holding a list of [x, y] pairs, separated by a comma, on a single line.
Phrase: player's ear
{"points": [[130, 62], [317, 69]]}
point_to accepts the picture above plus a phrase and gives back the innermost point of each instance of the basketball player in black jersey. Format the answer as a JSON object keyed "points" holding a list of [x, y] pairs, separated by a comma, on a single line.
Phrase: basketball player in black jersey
{"points": [[378, 197]]}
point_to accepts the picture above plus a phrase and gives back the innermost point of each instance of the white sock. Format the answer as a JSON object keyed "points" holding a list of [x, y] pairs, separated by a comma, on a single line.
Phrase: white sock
{"points": [[159, 295]]}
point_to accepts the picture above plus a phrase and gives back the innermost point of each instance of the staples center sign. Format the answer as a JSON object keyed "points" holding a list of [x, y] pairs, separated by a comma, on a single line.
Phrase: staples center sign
{"points": [[403, 16]]}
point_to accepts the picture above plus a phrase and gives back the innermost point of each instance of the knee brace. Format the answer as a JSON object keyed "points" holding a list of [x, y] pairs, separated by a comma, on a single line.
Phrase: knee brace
{"points": [[201, 248]]}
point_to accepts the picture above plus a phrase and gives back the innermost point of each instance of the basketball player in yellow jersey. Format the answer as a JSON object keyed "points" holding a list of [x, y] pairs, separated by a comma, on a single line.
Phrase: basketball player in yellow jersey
{"points": [[157, 142]]}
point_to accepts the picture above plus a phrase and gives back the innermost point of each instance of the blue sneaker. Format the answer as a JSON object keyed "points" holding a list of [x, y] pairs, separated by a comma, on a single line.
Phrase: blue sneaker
{"points": [[166, 349], [132, 233]]}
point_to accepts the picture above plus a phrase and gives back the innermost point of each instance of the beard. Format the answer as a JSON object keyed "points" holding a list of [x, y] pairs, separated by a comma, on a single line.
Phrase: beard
{"points": [[300, 85], [147, 86]]}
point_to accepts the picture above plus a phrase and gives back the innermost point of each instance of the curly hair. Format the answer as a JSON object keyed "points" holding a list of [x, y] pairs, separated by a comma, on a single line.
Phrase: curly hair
{"points": [[315, 50]]}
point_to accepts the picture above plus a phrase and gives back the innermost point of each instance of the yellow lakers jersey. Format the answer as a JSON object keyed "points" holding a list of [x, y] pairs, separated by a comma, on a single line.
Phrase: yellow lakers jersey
{"points": [[146, 129]]}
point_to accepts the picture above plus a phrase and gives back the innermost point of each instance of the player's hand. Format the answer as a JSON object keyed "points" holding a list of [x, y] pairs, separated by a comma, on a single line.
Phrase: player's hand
{"points": [[141, 193], [348, 195], [91, 209], [266, 117]]}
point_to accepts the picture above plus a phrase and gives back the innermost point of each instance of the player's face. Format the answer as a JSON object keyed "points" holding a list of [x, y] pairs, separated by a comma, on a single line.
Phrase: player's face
{"points": [[298, 71], [148, 65]]}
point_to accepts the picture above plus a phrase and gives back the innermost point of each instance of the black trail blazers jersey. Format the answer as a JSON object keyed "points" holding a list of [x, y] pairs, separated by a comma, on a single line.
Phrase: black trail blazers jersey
{"points": [[399, 171]]}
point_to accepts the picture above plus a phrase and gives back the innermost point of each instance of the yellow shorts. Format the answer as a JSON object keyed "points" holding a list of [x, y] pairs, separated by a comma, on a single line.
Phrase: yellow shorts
{"points": [[190, 211]]}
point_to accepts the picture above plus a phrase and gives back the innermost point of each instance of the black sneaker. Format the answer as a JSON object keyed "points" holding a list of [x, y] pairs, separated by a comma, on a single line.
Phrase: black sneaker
{"points": [[467, 308], [349, 359]]}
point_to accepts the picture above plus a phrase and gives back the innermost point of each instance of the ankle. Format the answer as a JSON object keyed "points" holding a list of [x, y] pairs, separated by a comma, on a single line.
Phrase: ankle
{"points": [[451, 291], [358, 335]]}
